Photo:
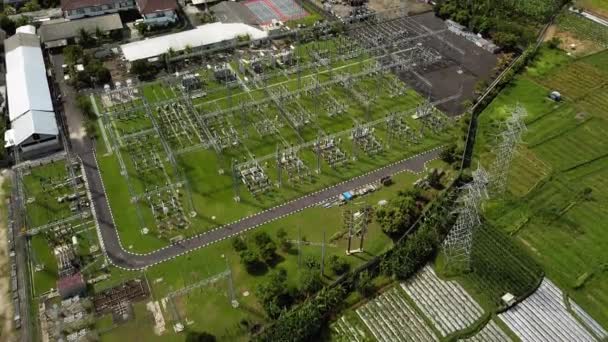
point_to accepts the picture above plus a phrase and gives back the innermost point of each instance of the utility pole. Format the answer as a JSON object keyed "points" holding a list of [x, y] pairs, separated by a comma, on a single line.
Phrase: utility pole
{"points": [[323, 254]]}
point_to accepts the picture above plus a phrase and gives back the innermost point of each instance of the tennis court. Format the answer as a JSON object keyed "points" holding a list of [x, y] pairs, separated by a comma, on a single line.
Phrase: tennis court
{"points": [[283, 10]]}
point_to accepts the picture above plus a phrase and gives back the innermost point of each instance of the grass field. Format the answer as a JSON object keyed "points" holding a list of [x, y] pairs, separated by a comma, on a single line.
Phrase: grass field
{"points": [[198, 305], [200, 180], [556, 199]]}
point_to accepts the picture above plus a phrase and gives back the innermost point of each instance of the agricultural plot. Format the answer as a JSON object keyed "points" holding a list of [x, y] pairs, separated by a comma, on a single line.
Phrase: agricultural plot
{"points": [[588, 321], [544, 316], [390, 317], [490, 333], [583, 28], [570, 83], [556, 198], [445, 303], [347, 331]]}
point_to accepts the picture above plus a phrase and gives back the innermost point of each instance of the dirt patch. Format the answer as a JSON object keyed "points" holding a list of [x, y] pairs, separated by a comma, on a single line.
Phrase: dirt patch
{"points": [[581, 116], [6, 307], [568, 40], [577, 47], [412, 6], [550, 33]]}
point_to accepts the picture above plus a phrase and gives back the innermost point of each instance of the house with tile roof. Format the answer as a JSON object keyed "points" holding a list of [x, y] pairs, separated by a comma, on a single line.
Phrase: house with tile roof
{"points": [[154, 12]]}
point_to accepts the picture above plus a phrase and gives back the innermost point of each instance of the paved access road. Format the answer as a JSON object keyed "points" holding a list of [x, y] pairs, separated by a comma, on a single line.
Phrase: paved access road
{"points": [[83, 146], [127, 260]]}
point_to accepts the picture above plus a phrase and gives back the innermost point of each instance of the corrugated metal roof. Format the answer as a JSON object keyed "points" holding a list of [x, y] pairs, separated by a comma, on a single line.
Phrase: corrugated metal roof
{"points": [[68, 5], [29, 100], [26, 82], [71, 28], [200, 36], [32, 122], [151, 6]]}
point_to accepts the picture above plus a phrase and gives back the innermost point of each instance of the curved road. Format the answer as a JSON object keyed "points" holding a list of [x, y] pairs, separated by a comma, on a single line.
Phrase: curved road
{"points": [[83, 146], [127, 260]]}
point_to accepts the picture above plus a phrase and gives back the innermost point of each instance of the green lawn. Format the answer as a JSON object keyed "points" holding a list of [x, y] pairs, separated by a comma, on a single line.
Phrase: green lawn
{"points": [[42, 186], [206, 175], [555, 204], [209, 308]]}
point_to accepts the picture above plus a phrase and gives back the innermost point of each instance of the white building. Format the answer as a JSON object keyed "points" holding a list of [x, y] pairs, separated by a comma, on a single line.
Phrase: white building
{"points": [[30, 108], [206, 35]]}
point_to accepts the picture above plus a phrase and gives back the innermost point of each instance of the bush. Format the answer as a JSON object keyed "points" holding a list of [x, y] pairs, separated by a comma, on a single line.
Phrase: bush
{"points": [[84, 104], [310, 282], [144, 70], [250, 261], [200, 337], [338, 265], [365, 285], [274, 293], [238, 244], [398, 215]]}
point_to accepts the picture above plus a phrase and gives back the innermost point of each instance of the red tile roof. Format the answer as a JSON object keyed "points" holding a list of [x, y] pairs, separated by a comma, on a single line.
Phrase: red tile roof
{"points": [[151, 6], [69, 5]]}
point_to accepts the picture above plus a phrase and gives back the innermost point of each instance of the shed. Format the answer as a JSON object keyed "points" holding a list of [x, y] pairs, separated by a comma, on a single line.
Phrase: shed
{"points": [[64, 29]]}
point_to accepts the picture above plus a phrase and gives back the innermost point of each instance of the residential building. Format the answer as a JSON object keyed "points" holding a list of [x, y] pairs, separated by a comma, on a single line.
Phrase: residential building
{"points": [[59, 32], [158, 12], [75, 9], [154, 12]]}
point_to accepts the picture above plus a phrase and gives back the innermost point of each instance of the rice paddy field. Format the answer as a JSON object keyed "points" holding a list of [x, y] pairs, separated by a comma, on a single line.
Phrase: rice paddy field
{"points": [[556, 201], [171, 180]]}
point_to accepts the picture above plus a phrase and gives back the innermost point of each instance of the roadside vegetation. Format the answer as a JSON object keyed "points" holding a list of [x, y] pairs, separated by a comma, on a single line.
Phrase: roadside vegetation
{"points": [[510, 24]]}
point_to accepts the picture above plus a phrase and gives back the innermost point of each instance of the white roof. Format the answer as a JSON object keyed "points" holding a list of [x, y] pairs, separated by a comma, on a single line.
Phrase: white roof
{"points": [[32, 122], [26, 83], [31, 29], [200, 36], [29, 99]]}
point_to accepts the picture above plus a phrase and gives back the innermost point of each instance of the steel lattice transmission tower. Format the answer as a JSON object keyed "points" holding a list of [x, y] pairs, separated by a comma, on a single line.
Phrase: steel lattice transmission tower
{"points": [[505, 150], [459, 242]]}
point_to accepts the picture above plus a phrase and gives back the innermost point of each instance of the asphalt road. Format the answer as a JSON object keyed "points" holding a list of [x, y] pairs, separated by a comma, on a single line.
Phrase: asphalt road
{"points": [[127, 260], [84, 148]]}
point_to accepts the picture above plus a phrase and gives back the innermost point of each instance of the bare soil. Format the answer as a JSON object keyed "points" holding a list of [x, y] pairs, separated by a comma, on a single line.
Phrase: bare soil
{"points": [[6, 306], [581, 47], [412, 6]]}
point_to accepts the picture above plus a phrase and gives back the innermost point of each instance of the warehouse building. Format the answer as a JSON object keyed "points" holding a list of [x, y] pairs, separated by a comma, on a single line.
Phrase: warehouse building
{"points": [[33, 128], [205, 36]]}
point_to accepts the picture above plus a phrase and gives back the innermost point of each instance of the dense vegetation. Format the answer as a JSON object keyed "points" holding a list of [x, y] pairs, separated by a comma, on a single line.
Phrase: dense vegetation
{"points": [[510, 23], [411, 252]]}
